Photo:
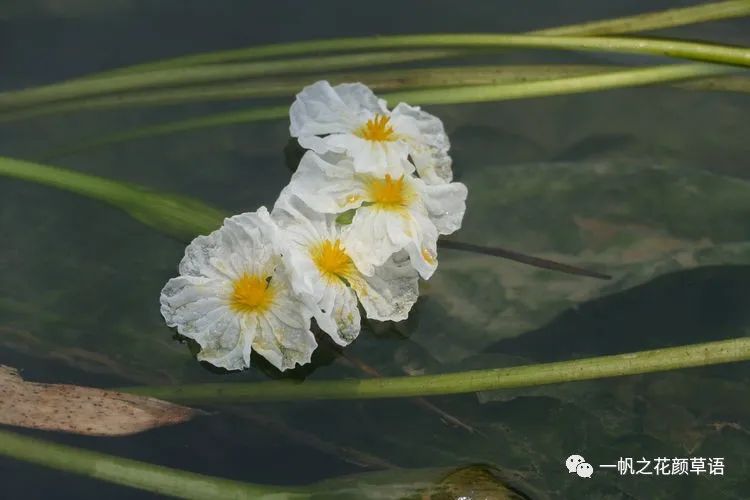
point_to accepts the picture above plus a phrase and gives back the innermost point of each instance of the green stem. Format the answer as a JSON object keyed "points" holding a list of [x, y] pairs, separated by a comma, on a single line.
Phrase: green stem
{"points": [[651, 21], [672, 358], [450, 95], [184, 76], [140, 475]]}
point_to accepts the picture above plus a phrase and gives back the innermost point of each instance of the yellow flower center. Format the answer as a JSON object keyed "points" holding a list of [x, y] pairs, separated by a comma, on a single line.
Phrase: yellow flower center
{"points": [[251, 294], [389, 193], [332, 260], [377, 129]]}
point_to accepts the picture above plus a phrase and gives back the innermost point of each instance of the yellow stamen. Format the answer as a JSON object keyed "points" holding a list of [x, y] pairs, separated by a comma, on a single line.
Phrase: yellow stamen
{"points": [[377, 129], [251, 294], [427, 256], [388, 193], [332, 260]]}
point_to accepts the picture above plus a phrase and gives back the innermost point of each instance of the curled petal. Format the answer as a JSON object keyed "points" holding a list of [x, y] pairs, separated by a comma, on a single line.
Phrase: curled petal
{"points": [[327, 183], [371, 157], [428, 142], [422, 245], [247, 242], [445, 204], [283, 334], [392, 290], [373, 236], [337, 313]]}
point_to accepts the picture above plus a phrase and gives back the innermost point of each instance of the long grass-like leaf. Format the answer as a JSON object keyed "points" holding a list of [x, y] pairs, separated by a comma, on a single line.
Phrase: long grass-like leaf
{"points": [[450, 95], [712, 11], [404, 79], [714, 53], [229, 71], [175, 215], [135, 474], [265, 87], [642, 22]]}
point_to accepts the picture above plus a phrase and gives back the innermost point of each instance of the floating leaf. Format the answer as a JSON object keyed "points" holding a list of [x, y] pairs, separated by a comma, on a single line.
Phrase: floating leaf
{"points": [[81, 410]]}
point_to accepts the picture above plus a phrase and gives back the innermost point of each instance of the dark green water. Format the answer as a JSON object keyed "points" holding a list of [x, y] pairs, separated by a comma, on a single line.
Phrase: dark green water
{"points": [[650, 185]]}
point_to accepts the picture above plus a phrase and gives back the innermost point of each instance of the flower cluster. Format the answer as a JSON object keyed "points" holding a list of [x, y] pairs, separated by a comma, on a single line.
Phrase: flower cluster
{"points": [[357, 224]]}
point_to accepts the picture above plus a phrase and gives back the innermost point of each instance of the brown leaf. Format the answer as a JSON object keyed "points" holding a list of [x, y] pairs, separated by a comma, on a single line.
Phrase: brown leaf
{"points": [[81, 410]]}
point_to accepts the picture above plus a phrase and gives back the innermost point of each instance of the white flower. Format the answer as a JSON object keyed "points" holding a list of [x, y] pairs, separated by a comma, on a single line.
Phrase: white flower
{"points": [[395, 211], [233, 296], [354, 121], [317, 251]]}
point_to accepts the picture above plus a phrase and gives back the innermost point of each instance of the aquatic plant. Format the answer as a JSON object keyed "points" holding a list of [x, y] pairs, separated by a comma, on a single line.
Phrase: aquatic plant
{"points": [[314, 253]]}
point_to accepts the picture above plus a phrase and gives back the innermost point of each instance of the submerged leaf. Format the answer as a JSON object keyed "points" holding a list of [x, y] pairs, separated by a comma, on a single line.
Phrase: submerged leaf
{"points": [[81, 410], [634, 220]]}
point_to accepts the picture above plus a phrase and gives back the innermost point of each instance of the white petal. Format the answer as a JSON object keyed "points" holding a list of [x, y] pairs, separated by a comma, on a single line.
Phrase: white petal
{"points": [[320, 109], [445, 204], [359, 96], [303, 228], [390, 293], [374, 236], [327, 183], [428, 142], [283, 336], [199, 310], [291, 213], [433, 165], [224, 354], [337, 313], [245, 243], [422, 247], [372, 157]]}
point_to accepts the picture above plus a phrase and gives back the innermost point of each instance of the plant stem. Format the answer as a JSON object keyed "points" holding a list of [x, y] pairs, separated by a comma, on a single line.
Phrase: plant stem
{"points": [[126, 472], [672, 358], [522, 258], [449, 95], [651, 21]]}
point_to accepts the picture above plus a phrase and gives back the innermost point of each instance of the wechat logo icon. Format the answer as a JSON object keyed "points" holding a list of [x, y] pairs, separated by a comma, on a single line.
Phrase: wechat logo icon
{"points": [[578, 465]]}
